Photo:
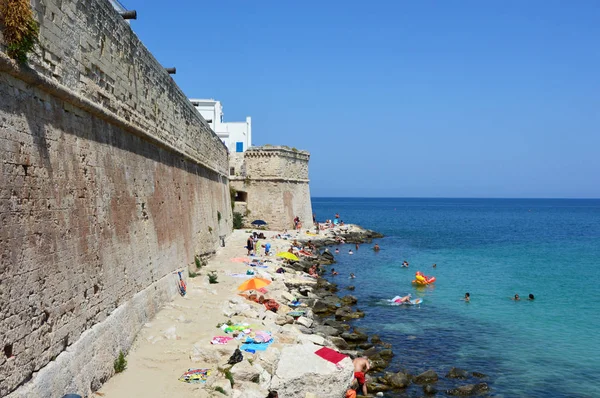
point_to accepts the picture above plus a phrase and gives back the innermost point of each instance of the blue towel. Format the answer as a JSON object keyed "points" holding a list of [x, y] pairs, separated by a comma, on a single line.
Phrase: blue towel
{"points": [[256, 346]]}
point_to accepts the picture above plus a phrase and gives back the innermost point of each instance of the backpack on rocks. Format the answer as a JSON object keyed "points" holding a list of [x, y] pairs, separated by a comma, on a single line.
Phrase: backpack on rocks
{"points": [[236, 357]]}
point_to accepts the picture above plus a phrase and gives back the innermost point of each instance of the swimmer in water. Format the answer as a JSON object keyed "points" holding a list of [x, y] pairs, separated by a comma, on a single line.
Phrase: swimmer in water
{"points": [[516, 298], [376, 247], [350, 251], [467, 297]]}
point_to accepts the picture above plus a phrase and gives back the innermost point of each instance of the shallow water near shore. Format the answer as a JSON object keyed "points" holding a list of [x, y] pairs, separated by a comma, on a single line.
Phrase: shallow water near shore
{"points": [[491, 248]]}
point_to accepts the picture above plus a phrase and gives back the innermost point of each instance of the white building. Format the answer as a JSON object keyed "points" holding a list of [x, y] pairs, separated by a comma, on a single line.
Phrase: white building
{"points": [[237, 136]]}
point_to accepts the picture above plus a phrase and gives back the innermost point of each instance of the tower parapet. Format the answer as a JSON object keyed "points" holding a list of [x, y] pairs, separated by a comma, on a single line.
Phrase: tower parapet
{"points": [[272, 184]]}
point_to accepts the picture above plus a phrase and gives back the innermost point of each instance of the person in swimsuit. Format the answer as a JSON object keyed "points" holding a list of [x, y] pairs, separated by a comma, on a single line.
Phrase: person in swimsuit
{"points": [[361, 366], [250, 244]]}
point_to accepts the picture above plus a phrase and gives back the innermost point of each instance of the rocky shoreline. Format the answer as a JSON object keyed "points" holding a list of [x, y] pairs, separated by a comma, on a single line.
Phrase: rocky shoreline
{"points": [[332, 312], [182, 335]]}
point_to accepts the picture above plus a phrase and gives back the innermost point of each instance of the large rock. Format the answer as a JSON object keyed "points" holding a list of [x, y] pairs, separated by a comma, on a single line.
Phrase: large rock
{"points": [[301, 371], [287, 296], [325, 330], [349, 300], [355, 337], [304, 321], [374, 387], [244, 371], [428, 389], [346, 314], [386, 354], [398, 380], [225, 386], [312, 338], [339, 342], [269, 359], [426, 377], [321, 307], [469, 389], [249, 390], [457, 373]]}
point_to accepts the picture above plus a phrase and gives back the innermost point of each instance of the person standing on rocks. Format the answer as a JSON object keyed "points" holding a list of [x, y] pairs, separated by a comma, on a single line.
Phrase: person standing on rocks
{"points": [[361, 366]]}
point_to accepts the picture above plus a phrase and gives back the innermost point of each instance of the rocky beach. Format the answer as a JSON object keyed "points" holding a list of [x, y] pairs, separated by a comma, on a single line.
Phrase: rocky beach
{"points": [[179, 338]]}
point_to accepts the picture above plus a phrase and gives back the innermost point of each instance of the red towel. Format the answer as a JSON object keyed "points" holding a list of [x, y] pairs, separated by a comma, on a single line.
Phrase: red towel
{"points": [[330, 355]]}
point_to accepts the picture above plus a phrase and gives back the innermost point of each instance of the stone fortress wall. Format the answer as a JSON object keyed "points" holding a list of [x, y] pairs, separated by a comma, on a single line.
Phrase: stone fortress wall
{"points": [[275, 186], [110, 181]]}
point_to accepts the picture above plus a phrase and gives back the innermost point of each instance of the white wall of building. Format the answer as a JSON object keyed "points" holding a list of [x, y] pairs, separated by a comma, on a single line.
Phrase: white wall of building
{"points": [[237, 136]]}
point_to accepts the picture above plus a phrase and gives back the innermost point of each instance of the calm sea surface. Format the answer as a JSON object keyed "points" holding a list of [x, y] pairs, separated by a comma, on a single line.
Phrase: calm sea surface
{"points": [[491, 248]]}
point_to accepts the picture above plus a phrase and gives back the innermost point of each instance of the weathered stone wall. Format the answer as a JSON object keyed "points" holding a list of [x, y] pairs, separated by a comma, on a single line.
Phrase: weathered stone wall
{"points": [[109, 182], [277, 186]]}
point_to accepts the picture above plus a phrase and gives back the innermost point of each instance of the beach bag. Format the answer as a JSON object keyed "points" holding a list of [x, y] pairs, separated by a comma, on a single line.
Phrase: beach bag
{"points": [[237, 357]]}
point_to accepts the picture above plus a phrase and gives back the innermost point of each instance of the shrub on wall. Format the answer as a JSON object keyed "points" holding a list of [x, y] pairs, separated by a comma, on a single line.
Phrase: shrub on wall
{"points": [[20, 29], [232, 193], [238, 220]]}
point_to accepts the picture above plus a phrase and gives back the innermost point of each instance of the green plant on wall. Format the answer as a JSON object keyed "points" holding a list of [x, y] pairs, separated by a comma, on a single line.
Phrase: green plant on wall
{"points": [[247, 180], [210, 229], [19, 28], [212, 277], [120, 363], [218, 216], [232, 194]]}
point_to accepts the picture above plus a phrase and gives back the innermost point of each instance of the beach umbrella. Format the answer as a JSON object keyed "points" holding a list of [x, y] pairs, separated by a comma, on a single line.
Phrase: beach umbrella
{"points": [[254, 284], [288, 255], [258, 222]]}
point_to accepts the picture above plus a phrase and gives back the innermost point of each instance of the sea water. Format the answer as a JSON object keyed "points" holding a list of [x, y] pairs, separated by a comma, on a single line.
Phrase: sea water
{"points": [[491, 248]]}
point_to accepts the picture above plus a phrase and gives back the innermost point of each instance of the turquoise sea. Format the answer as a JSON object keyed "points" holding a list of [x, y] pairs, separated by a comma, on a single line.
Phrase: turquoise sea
{"points": [[491, 248]]}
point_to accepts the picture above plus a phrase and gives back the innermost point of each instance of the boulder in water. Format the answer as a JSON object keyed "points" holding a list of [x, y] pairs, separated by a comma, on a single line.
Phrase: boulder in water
{"points": [[428, 389], [426, 377], [469, 389], [457, 373]]}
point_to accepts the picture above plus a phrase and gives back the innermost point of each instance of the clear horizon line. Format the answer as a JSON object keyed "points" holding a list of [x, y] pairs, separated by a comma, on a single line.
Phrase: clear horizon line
{"points": [[450, 197]]}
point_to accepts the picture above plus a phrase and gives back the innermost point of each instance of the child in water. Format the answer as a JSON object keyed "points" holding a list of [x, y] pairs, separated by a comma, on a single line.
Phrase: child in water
{"points": [[467, 297]]}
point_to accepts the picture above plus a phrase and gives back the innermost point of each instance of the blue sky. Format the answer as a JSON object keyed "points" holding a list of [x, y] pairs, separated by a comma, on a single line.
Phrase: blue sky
{"points": [[401, 98]]}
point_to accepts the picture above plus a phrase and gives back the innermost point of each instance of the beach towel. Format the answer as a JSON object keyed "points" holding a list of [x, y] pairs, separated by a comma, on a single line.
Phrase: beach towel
{"points": [[239, 259], [221, 340], [195, 376], [294, 303], [256, 346], [330, 355], [262, 337]]}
